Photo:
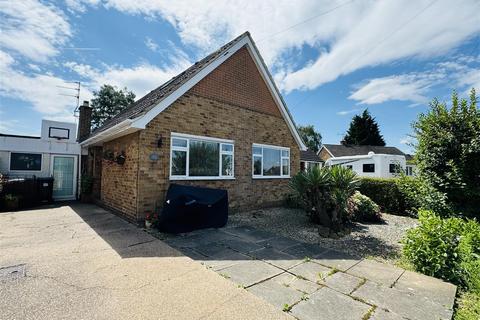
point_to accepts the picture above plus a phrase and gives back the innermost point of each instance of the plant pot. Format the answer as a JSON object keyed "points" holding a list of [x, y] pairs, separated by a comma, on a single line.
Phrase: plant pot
{"points": [[148, 224]]}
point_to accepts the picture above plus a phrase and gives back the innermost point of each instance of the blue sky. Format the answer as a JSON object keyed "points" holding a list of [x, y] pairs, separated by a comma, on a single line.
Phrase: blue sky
{"points": [[331, 59]]}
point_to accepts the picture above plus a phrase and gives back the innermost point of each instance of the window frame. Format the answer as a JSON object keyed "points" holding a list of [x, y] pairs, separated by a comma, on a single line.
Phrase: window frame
{"points": [[366, 164], [58, 137], [188, 137], [267, 146], [23, 170]]}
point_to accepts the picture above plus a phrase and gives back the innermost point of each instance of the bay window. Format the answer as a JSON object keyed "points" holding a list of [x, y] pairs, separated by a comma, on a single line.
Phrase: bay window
{"points": [[197, 158], [270, 161]]}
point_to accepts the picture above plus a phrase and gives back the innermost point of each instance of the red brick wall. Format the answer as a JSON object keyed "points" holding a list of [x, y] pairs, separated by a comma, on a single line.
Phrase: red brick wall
{"points": [[238, 82]]}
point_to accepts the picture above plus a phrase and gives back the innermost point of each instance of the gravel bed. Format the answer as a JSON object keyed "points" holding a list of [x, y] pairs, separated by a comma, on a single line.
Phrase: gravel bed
{"points": [[377, 241]]}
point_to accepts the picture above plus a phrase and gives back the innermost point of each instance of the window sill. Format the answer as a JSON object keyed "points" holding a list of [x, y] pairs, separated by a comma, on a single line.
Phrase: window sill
{"points": [[200, 178], [270, 177]]}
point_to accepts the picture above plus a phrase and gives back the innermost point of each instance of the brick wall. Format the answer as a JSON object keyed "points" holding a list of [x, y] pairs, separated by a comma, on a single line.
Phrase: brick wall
{"points": [[119, 182], [197, 115], [238, 82], [324, 155]]}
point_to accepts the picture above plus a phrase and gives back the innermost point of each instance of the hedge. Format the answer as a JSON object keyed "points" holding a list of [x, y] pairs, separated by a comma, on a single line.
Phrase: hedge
{"points": [[385, 193]]}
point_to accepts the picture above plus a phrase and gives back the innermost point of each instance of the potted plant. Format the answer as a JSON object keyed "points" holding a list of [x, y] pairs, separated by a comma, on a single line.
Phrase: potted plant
{"points": [[11, 202], [151, 219]]}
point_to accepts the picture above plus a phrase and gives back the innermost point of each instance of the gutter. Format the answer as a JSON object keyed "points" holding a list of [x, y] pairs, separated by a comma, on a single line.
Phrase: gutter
{"points": [[112, 132]]}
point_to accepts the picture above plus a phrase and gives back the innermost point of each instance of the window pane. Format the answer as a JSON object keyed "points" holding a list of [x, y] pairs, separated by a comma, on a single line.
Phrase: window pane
{"points": [[369, 167], [257, 165], [285, 153], [227, 147], [271, 162], [179, 163], [25, 161], [227, 165], [176, 142], [204, 158], [257, 150], [285, 167]]}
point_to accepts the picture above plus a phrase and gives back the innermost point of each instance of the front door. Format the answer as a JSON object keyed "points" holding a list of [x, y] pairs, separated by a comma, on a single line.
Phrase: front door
{"points": [[64, 175]]}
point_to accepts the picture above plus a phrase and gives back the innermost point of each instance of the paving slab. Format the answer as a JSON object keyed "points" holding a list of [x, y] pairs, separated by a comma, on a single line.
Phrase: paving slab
{"points": [[342, 282], [250, 272], [402, 303], [292, 281], [328, 304], [381, 314], [240, 245], [277, 258], [427, 287], [209, 250], [278, 243], [383, 273], [224, 258], [336, 259], [311, 271], [276, 293], [305, 250], [249, 234]]}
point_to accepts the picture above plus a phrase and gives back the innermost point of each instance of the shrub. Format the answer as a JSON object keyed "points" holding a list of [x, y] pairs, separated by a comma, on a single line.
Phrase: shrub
{"points": [[418, 194], [385, 193], [324, 192], [445, 248], [362, 209], [468, 307]]}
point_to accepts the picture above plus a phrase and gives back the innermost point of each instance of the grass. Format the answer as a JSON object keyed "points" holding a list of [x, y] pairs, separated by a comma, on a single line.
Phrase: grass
{"points": [[468, 306], [287, 307]]}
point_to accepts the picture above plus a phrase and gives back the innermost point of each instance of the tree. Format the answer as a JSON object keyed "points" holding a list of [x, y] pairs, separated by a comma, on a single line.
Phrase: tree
{"points": [[448, 150], [364, 131], [108, 102], [311, 138]]}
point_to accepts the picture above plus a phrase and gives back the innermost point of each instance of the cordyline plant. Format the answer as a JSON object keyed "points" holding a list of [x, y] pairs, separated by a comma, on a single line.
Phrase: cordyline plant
{"points": [[324, 192]]}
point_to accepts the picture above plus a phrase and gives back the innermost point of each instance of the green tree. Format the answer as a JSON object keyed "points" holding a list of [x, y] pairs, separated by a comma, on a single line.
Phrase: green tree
{"points": [[364, 131], [448, 150], [311, 138], [108, 102]]}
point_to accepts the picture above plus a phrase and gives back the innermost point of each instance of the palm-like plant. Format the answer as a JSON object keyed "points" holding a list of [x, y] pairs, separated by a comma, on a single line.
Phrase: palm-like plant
{"points": [[324, 192]]}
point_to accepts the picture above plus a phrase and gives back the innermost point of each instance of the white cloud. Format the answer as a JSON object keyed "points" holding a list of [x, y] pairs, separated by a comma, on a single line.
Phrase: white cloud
{"points": [[38, 89], [140, 79], [462, 72], [349, 35], [33, 29], [347, 112], [152, 45]]}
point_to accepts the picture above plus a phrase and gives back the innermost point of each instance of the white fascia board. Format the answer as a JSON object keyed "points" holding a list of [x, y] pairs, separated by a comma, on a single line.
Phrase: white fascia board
{"points": [[118, 130], [276, 95], [141, 122]]}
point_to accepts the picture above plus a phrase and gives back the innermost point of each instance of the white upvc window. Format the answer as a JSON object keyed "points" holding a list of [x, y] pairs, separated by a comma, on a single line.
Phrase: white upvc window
{"points": [[200, 158], [270, 161]]}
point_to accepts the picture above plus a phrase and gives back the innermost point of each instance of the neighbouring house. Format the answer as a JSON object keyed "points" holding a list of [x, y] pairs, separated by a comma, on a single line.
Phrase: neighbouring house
{"points": [[221, 123], [309, 159], [366, 161], [411, 165], [55, 153]]}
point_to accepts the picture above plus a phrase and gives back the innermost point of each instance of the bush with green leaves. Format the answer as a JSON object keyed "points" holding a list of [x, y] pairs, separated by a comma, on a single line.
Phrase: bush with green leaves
{"points": [[324, 192], [362, 209], [448, 151], [419, 194], [445, 248], [385, 193]]}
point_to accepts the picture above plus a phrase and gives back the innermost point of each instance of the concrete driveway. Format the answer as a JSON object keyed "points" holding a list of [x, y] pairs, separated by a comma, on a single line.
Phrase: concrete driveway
{"points": [[78, 261]]}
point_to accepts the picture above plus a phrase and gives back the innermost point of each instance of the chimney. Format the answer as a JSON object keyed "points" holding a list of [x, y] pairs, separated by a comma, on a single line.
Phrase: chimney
{"points": [[84, 121]]}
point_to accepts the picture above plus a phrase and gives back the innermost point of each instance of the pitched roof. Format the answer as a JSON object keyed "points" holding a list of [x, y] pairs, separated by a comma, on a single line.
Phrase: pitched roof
{"points": [[340, 150], [141, 112], [309, 155], [147, 102]]}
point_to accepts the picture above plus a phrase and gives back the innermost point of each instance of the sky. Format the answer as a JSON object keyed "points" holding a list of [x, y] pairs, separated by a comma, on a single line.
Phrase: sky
{"points": [[330, 59]]}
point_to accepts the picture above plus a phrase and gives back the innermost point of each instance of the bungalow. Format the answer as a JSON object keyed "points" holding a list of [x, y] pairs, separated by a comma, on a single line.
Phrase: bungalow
{"points": [[367, 161], [221, 123], [309, 159]]}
